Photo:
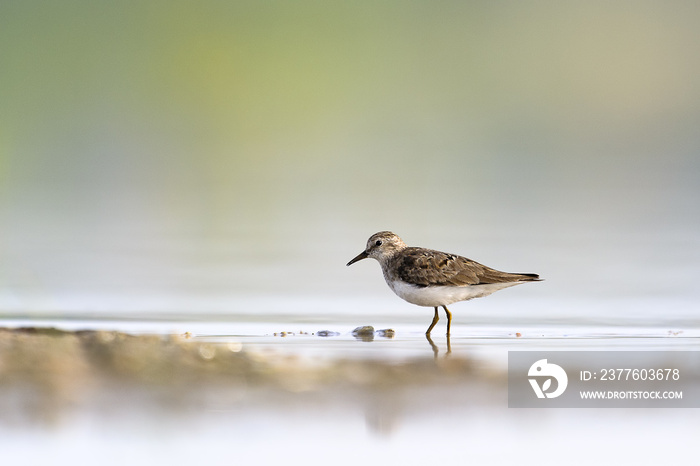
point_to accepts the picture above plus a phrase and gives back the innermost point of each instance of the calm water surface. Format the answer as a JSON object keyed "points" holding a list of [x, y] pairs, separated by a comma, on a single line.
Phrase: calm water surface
{"points": [[345, 427], [631, 291], [238, 292]]}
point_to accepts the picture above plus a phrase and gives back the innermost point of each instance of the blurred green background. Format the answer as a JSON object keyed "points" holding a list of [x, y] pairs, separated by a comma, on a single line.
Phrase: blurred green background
{"points": [[227, 147]]}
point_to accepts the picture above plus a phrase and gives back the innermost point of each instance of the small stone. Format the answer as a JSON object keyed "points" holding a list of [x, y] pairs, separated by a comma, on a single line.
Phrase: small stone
{"points": [[363, 331]]}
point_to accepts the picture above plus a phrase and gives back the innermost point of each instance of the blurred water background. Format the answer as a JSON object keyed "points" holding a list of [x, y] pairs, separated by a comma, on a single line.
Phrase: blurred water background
{"points": [[216, 163]]}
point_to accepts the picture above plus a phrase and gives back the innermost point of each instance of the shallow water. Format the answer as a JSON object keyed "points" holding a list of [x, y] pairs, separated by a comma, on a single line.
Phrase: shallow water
{"points": [[305, 420], [302, 418]]}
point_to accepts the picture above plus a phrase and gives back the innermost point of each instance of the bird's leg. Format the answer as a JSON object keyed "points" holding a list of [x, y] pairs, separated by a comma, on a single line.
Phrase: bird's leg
{"points": [[449, 318], [435, 321]]}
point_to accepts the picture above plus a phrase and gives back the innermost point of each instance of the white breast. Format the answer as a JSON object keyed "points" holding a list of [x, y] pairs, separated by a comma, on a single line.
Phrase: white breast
{"points": [[431, 296]]}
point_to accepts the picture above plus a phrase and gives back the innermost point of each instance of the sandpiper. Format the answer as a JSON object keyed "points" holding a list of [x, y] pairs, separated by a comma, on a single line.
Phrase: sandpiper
{"points": [[430, 278]]}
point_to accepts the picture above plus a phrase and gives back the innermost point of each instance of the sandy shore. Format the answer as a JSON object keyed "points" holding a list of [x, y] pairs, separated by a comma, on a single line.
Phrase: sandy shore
{"points": [[45, 373]]}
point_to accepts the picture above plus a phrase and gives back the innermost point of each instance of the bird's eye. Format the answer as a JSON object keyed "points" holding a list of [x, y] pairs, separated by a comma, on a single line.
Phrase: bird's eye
{"points": [[378, 243]]}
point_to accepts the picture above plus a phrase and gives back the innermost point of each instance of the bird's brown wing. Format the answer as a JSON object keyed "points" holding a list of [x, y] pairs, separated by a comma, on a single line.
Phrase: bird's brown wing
{"points": [[425, 267]]}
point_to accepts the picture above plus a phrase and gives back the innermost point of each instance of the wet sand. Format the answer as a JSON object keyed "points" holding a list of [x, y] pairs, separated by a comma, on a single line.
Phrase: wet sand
{"points": [[53, 372]]}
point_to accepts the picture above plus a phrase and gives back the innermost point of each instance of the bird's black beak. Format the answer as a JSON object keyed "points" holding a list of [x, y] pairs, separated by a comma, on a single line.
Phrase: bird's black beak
{"points": [[359, 257]]}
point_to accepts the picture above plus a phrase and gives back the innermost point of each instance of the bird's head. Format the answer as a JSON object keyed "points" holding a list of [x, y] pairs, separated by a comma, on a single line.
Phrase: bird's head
{"points": [[380, 246]]}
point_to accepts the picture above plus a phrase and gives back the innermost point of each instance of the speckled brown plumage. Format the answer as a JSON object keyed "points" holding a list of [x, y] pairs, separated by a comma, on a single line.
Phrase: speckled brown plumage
{"points": [[427, 267]]}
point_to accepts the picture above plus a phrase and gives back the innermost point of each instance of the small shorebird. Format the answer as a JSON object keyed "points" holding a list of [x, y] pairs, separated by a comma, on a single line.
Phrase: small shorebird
{"points": [[432, 278]]}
